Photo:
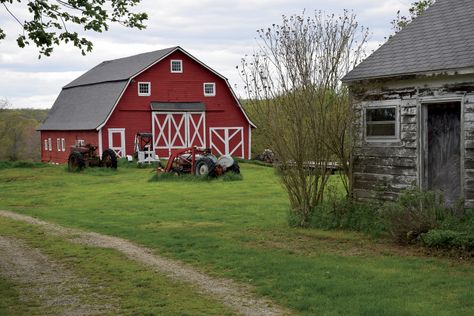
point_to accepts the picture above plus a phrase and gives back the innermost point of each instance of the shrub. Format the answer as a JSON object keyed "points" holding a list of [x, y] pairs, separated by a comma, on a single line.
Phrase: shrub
{"points": [[348, 214], [449, 239], [415, 213]]}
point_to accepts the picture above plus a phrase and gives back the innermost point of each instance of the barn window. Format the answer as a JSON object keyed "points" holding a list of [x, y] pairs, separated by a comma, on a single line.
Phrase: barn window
{"points": [[381, 123], [45, 144], [176, 65], [209, 89], [50, 144], [58, 143], [63, 144], [144, 89]]}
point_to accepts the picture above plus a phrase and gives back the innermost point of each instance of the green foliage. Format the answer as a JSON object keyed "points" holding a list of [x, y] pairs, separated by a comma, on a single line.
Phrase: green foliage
{"points": [[19, 139], [51, 23], [416, 9], [259, 141], [449, 239], [415, 213], [349, 215], [21, 164]]}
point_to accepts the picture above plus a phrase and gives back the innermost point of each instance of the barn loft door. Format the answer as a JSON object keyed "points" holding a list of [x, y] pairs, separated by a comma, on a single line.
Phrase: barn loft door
{"points": [[174, 130], [443, 150]]}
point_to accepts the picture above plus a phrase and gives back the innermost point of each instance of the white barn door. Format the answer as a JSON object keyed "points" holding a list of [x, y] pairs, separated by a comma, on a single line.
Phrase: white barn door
{"points": [[227, 141], [117, 141], [174, 130]]}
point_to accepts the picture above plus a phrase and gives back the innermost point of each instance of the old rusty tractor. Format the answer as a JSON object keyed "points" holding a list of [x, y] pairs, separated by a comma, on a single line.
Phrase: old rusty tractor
{"points": [[85, 155], [199, 162]]}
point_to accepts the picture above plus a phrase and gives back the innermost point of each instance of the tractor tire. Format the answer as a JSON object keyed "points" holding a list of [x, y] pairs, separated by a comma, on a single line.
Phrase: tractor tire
{"points": [[235, 168], [205, 167], [109, 159], [75, 162]]}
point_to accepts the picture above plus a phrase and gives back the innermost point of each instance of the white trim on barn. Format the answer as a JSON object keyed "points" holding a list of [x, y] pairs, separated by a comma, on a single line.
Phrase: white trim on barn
{"points": [[250, 142], [100, 142], [229, 134]]}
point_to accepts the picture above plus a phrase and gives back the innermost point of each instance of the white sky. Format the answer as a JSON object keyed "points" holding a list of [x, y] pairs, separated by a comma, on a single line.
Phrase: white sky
{"points": [[217, 32]]}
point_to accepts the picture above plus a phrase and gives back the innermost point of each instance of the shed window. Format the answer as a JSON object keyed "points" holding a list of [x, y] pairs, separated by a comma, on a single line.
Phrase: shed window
{"points": [[144, 88], [209, 89], [381, 123], [58, 143], [45, 144], [63, 144], [50, 144], [176, 65]]}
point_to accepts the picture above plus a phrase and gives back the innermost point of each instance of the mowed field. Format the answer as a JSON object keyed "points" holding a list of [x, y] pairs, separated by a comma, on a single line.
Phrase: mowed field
{"points": [[232, 229]]}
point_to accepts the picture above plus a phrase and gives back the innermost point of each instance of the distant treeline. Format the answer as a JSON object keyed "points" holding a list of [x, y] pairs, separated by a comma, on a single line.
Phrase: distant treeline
{"points": [[19, 139]]}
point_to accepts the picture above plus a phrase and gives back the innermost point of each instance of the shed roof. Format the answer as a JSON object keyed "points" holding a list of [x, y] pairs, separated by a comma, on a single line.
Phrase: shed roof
{"points": [[87, 102], [440, 39]]}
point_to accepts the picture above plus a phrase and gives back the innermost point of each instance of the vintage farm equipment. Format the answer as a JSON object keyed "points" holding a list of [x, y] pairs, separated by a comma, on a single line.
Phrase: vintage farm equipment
{"points": [[85, 155], [199, 162], [144, 152]]}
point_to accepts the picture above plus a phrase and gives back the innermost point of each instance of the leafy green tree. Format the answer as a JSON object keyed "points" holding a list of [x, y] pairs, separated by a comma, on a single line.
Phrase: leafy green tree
{"points": [[19, 139], [50, 22], [416, 9]]}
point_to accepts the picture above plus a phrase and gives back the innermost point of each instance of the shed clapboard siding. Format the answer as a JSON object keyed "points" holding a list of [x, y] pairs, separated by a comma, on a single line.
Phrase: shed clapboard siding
{"points": [[384, 169]]}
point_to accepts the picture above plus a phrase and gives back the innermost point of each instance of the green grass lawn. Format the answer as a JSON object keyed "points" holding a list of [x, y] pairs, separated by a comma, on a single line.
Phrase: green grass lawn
{"points": [[239, 230]]}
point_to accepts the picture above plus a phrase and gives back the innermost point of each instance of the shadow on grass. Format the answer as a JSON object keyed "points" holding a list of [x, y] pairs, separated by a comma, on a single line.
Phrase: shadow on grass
{"points": [[172, 177]]}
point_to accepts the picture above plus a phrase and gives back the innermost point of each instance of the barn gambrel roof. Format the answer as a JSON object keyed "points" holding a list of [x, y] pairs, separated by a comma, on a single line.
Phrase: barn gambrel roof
{"points": [[87, 102], [441, 39]]}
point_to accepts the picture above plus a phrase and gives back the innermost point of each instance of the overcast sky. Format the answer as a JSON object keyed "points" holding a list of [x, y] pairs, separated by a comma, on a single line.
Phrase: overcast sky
{"points": [[217, 32]]}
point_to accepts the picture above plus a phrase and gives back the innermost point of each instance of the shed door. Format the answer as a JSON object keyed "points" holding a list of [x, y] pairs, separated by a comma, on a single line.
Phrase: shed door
{"points": [[443, 161]]}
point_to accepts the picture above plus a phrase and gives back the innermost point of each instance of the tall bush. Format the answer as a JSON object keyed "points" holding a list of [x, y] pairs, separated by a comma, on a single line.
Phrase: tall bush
{"points": [[293, 87]]}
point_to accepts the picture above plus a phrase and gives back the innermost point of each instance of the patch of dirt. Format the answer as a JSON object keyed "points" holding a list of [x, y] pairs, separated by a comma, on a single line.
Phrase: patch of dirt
{"points": [[236, 296], [45, 282]]}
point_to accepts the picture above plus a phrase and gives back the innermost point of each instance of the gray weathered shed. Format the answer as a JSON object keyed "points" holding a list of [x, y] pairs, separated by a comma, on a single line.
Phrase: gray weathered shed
{"points": [[414, 103]]}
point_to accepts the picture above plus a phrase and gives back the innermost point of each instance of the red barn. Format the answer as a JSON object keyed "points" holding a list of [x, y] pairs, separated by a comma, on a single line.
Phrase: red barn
{"points": [[168, 93]]}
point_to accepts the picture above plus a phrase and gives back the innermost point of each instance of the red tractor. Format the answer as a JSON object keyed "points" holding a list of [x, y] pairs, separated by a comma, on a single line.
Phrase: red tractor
{"points": [[85, 155], [200, 162]]}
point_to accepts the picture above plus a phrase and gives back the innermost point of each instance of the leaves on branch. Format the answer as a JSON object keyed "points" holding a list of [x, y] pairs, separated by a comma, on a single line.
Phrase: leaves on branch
{"points": [[48, 21]]}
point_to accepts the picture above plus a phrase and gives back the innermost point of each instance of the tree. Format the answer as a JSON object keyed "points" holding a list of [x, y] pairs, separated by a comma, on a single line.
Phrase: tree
{"points": [[50, 23], [293, 84], [4, 104], [416, 9]]}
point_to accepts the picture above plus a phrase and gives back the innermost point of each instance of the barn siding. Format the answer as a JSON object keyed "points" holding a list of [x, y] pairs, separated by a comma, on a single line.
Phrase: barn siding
{"points": [[134, 114], [70, 137], [383, 170]]}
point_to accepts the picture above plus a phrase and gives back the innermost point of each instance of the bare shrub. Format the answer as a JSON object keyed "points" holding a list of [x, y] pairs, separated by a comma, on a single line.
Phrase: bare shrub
{"points": [[293, 86]]}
